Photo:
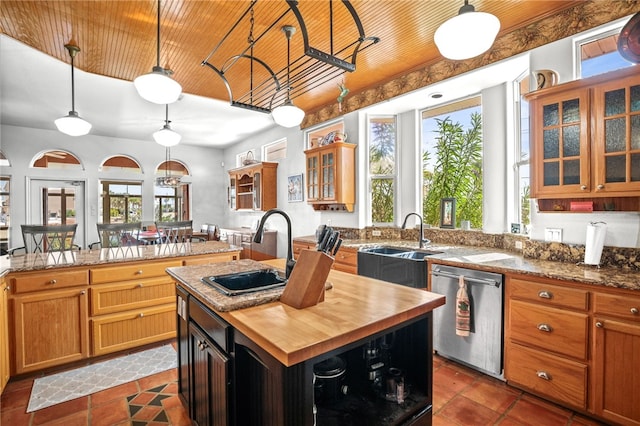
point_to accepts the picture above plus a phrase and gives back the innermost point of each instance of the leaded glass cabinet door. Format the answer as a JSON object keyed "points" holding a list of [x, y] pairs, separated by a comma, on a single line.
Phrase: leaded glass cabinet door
{"points": [[561, 144], [313, 177], [328, 164], [617, 137]]}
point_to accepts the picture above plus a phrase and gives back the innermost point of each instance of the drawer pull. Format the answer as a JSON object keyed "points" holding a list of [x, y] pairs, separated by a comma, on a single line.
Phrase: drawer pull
{"points": [[202, 345], [543, 375], [139, 272], [599, 324], [53, 282], [634, 311], [544, 294], [7, 288], [83, 292], [545, 327], [140, 285], [140, 315]]}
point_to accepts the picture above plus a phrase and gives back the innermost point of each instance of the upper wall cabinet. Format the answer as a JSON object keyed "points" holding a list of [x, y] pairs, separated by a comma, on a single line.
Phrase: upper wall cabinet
{"points": [[254, 187], [585, 138], [330, 168]]}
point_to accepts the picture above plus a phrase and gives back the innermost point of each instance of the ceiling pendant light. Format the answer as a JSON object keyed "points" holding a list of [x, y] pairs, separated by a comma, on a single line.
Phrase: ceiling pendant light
{"points": [[168, 180], [287, 114], [166, 136], [157, 86], [72, 124], [468, 34]]}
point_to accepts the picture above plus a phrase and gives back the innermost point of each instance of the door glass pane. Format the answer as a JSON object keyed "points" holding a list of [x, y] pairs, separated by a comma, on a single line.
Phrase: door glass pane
{"points": [[614, 102], [571, 172], [551, 173], [571, 141], [257, 196], [551, 143], [135, 209], [550, 115], [614, 135], [615, 169], [635, 167], [635, 132], [635, 98], [571, 111]]}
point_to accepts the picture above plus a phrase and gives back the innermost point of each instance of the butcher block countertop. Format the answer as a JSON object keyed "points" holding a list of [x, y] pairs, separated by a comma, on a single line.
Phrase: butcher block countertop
{"points": [[354, 308]]}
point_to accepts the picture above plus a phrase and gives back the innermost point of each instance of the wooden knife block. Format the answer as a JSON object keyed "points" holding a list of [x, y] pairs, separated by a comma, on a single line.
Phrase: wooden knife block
{"points": [[307, 280]]}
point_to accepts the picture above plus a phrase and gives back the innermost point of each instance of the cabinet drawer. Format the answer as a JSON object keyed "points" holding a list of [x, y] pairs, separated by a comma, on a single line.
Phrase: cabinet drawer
{"points": [[348, 257], [623, 306], [131, 272], [115, 332], [216, 328], [548, 294], [110, 298], [211, 258], [550, 328], [299, 246], [547, 375], [50, 280]]}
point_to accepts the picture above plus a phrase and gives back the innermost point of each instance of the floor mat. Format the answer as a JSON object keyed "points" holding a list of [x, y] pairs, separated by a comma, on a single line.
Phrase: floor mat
{"points": [[68, 385]]}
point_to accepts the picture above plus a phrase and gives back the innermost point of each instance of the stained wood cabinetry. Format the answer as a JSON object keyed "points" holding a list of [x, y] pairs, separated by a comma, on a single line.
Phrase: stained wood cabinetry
{"points": [[584, 142], [254, 187], [4, 335], [50, 317], [345, 260], [574, 344], [243, 237], [331, 176]]}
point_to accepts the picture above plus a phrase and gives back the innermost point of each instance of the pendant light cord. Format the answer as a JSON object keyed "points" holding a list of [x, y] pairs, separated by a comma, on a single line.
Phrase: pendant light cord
{"points": [[288, 65], [158, 38], [73, 89]]}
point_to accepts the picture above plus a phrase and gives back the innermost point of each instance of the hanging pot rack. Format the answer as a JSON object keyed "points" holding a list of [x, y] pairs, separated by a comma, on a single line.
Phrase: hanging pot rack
{"points": [[266, 88]]}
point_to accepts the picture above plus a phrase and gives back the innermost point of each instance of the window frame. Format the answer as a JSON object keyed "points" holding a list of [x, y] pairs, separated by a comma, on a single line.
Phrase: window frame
{"points": [[106, 198], [371, 177]]}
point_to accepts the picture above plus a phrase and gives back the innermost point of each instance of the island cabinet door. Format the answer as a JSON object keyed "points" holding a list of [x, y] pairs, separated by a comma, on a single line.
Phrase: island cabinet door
{"points": [[210, 379]]}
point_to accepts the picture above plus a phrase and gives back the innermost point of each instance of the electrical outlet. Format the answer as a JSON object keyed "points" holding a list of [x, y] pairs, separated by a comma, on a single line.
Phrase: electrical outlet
{"points": [[376, 233], [518, 245], [553, 235]]}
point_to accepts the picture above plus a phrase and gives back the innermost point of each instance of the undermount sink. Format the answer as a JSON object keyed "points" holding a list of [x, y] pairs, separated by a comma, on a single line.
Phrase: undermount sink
{"points": [[400, 265], [245, 282]]}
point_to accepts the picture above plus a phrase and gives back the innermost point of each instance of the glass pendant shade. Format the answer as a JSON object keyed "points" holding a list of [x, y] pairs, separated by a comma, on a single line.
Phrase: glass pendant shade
{"points": [[158, 87], [467, 35], [73, 125], [166, 136], [287, 114]]}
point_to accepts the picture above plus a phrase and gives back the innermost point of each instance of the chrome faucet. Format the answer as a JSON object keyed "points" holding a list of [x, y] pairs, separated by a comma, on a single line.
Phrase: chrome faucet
{"points": [[421, 238], [260, 232]]}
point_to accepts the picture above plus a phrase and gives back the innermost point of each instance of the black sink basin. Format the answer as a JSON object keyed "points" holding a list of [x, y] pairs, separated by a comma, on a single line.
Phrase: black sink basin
{"points": [[400, 265], [245, 282], [416, 255], [386, 250]]}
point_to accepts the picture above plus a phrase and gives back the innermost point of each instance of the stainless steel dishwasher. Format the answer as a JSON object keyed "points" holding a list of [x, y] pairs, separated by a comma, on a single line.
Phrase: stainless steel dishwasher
{"points": [[482, 349]]}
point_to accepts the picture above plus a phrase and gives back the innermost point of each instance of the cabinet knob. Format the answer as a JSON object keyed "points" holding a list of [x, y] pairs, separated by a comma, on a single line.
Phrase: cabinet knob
{"points": [[599, 324], [83, 292], [634, 311], [544, 294], [140, 315], [140, 285], [545, 327], [583, 187], [7, 288], [139, 272], [599, 187], [543, 375], [53, 282]]}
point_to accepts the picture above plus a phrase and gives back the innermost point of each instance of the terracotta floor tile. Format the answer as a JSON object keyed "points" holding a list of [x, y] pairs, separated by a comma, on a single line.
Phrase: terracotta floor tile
{"points": [[529, 413], [75, 419], [158, 379], [490, 396], [467, 412], [441, 396], [15, 417], [546, 404], [142, 398], [18, 384], [19, 398], [452, 378], [509, 421], [580, 420], [178, 416], [172, 401], [110, 413], [439, 420], [121, 391], [60, 410], [147, 413], [171, 388]]}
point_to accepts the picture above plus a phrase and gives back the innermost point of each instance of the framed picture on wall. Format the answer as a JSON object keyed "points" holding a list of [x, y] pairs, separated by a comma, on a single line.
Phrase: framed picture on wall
{"points": [[294, 188], [448, 213]]}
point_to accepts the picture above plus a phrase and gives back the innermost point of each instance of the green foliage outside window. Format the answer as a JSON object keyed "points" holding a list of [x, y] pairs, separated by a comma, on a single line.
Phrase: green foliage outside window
{"points": [[457, 172], [382, 150]]}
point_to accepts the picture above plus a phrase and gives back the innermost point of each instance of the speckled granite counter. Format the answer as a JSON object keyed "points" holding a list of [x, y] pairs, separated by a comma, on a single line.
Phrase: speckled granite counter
{"points": [[511, 262], [33, 262]]}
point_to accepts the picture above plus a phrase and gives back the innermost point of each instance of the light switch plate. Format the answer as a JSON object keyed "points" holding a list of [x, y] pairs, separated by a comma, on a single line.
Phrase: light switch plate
{"points": [[376, 233], [553, 235]]}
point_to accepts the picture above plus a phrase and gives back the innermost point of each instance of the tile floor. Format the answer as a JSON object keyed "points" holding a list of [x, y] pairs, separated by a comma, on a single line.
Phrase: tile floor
{"points": [[461, 397]]}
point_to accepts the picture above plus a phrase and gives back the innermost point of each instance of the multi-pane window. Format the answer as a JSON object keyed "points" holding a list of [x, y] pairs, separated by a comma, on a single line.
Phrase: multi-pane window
{"points": [[597, 53], [169, 204], [5, 214], [121, 202], [275, 150], [382, 168], [521, 163], [452, 160]]}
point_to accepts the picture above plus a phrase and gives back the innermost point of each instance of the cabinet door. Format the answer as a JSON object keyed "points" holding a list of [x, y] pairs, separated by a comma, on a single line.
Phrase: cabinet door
{"points": [[211, 380], [617, 138], [560, 144], [257, 191], [313, 178], [50, 328], [616, 374], [328, 175], [4, 335], [232, 192]]}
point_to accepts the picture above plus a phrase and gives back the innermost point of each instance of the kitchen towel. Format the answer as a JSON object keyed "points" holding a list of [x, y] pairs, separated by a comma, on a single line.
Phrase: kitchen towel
{"points": [[463, 309]]}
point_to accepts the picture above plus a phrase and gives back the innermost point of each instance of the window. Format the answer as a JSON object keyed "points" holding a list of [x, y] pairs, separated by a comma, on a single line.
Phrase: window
{"points": [[521, 161], [5, 212], [121, 163], [59, 205], [382, 168], [121, 202], [452, 160], [275, 150], [597, 52], [169, 204], [57, 160]]}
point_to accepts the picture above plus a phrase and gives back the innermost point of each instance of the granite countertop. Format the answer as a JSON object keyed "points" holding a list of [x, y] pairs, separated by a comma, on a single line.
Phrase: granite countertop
{"points": [[502, 261], [32, 262]]}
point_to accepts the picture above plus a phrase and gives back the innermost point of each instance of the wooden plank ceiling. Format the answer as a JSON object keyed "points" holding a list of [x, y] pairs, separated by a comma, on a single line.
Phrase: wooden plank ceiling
{"points": [[118, 38]]}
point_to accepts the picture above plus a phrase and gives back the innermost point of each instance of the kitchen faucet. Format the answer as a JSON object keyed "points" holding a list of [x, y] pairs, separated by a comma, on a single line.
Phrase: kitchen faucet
{"points": [[260, 232], [421, 240]]}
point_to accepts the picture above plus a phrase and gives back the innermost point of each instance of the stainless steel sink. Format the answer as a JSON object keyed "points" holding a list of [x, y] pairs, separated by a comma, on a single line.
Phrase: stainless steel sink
{"points": [[245, 282]]}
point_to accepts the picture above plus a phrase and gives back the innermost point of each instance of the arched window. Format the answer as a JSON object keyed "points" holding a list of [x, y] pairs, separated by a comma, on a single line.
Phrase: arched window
{"points": [[120, 163], [56, 159], [171, 199]]}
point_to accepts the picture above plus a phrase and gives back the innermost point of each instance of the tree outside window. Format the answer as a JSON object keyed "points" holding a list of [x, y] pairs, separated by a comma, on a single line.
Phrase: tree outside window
{"points": [[382, 168], [121, 202]]}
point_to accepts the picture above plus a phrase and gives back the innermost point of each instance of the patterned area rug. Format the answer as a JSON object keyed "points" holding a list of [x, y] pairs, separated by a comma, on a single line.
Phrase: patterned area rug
{"points": [[68, 385]]}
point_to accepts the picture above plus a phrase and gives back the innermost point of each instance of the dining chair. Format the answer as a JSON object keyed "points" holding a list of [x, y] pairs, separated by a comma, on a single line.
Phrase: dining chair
{"points": [[118, 235], [177, 232], [213, 233], [47, 238]]}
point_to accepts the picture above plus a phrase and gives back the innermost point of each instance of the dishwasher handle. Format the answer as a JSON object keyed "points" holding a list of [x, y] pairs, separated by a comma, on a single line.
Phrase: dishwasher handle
{"points": [[483, 281]]}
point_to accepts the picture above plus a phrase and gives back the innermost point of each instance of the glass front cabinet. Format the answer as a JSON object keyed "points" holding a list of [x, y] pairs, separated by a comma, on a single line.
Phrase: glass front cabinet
{"points": [[585, 139], [253, 187]]}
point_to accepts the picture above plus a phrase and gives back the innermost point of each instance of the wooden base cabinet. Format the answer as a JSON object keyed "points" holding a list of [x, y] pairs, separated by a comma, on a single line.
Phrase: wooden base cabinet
{"points": [[5, 370]]}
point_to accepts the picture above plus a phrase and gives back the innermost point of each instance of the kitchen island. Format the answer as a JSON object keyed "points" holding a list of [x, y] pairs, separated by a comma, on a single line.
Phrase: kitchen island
{"points": [[256, 364]]}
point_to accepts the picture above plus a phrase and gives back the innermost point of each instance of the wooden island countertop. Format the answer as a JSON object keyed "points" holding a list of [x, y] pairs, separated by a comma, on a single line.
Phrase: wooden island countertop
{"points": [[354, 307]]}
